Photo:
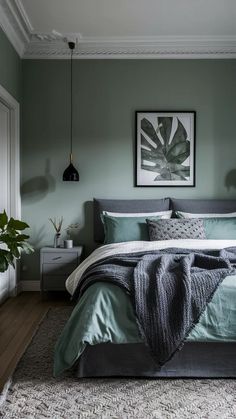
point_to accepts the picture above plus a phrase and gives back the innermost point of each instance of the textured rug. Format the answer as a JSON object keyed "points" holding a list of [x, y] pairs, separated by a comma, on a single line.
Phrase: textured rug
{"points": [[34, 393]]}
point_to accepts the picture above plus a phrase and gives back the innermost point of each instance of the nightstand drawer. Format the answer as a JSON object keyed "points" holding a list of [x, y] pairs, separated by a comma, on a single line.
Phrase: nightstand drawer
{"points": [[54, 283], [58, 268], [56, 264], [59, 257]]}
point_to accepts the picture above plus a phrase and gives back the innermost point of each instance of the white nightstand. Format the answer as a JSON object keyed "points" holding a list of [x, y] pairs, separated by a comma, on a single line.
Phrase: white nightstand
{"points": [[56, 264]]}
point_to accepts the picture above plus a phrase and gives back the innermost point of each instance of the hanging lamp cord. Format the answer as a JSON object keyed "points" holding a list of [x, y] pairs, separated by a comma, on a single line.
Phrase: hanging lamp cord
{"points": [[71, 104]]}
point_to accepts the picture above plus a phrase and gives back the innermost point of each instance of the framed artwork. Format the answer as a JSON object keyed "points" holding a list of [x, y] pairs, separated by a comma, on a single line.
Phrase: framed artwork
{"points": [[165, 148]]}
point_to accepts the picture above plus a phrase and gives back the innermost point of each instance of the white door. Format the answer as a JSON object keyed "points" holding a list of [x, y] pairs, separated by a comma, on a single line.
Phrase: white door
{"points": [[4, 183]]}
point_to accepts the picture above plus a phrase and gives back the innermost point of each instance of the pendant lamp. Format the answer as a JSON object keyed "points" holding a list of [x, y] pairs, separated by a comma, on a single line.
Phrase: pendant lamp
{"points": [[71, 174]]}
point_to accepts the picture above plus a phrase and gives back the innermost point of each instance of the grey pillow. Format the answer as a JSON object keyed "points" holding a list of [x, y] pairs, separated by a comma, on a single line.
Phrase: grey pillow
{"points": [[176, 229]]}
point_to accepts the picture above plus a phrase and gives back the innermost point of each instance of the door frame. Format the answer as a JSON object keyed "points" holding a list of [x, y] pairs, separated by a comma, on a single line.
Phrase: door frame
{"points": [[15, 200]]}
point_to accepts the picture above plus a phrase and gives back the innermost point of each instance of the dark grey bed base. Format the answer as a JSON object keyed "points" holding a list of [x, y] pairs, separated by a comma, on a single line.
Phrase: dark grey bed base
{"points": [[198, 360]]}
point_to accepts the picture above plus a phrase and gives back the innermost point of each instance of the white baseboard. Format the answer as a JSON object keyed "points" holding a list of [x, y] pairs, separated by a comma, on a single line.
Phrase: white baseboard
{"points": [[29, 286], [16, 290]]}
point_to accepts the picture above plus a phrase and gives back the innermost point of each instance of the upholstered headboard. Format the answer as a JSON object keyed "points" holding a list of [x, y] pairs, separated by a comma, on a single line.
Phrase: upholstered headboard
{"points": [[151, 205], [196, 206], [124, 205]]}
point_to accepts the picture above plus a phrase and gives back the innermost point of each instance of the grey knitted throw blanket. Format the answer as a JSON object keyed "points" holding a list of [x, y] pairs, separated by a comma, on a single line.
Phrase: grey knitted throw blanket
{"points": [[169, 290]]}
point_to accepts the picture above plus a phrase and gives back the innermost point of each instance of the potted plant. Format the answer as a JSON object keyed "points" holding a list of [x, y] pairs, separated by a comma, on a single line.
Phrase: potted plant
{"points": [[12, 241], [71, 231]]}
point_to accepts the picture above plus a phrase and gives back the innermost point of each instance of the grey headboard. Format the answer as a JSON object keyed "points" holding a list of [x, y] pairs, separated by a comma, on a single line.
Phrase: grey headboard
{"points": [[219, 206], [124, 205]]}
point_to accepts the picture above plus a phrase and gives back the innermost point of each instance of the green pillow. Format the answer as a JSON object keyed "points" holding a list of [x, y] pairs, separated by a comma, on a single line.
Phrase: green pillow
{"points": [[220, 228], [124, 229]]}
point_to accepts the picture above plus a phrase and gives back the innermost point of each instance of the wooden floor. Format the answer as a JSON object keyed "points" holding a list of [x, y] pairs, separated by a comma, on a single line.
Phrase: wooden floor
{"points": [[19, 319]]}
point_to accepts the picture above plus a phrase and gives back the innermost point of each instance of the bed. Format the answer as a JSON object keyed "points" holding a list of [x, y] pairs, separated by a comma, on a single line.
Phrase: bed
{"points": [[102, 337]]}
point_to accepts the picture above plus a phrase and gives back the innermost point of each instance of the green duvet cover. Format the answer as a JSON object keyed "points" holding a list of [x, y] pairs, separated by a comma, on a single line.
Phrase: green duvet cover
{"points": [[105, 314]]}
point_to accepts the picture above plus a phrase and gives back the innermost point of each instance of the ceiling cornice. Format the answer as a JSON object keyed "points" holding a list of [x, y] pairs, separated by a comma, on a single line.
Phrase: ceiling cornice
{"points": [[45, 46], [31, 45], [16, 25]]}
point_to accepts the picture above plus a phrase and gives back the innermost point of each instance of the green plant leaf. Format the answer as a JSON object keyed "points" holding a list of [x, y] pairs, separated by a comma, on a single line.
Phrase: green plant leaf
{"points": [[10, 231], [17, 224], [4, 252], [165, 124], [14, 241], [8, 239], [10, 259], [22, 237], [3, 219], [3, 262], [149, 129], [26, 247], [14, 250]]}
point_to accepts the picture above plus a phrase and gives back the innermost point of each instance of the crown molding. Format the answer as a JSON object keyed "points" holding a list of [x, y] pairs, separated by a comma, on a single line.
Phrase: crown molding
{"points": [[46, 46], [31, 45], [16, 25]]}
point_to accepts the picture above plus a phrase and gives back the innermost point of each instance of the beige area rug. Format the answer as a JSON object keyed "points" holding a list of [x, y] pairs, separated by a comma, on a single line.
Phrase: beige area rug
{"points": [[34, 393]]}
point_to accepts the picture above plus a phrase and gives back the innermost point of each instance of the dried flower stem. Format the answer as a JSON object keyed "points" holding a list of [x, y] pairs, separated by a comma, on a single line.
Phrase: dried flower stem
{"points": [[57, 224]]}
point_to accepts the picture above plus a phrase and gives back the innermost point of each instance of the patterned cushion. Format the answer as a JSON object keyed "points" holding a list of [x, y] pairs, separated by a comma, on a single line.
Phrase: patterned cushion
{"points": [[176, 229]]}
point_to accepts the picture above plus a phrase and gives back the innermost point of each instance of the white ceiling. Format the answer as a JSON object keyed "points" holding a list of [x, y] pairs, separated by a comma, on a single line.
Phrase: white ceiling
{"points": [[140, 18], [122, 28]]}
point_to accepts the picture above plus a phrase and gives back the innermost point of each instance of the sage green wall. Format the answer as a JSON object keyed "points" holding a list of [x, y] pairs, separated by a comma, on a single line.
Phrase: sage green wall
{"points": [[10, 67], [106, 95]]}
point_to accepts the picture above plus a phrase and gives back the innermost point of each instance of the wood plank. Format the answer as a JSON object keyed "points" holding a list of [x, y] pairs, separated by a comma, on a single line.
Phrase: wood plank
{"points": [[19, 319], [16, 353], [17, 342]]}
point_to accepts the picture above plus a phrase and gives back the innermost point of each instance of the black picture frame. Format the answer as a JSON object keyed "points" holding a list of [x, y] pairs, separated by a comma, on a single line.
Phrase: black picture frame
{"points": [[154, 133]]}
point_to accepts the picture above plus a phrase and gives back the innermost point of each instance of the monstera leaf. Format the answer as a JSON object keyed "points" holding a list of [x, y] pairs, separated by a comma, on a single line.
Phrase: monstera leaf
{"points": [[166, 158]]}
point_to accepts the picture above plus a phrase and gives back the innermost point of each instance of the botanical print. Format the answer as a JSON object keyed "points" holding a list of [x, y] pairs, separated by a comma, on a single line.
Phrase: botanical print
{"points": [[165, 148]]}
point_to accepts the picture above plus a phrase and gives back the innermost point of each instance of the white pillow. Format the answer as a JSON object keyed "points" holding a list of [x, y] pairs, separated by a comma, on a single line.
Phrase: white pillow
{"points": [[181, 214], [161, 214]]}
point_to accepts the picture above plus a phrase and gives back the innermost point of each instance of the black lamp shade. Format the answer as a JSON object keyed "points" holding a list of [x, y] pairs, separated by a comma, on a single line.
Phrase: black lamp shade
{"points": [[70, 174]]}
